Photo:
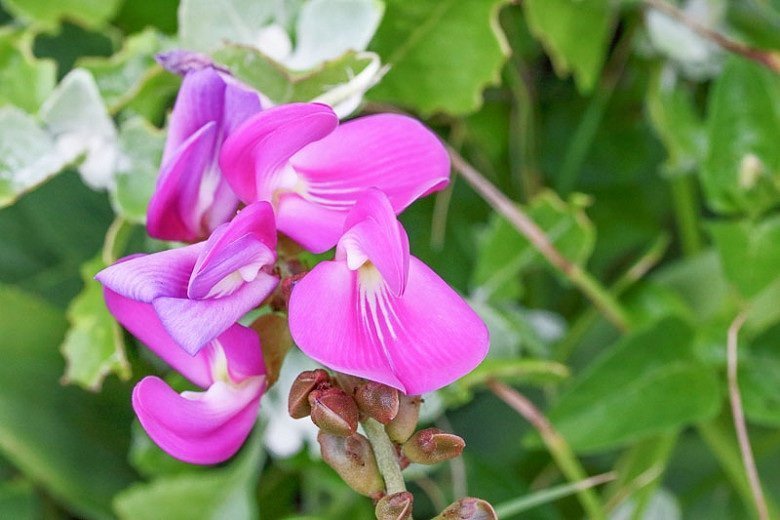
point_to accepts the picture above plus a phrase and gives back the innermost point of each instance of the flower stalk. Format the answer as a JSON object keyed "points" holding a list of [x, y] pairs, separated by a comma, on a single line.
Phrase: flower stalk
{"points": [[386, 457]]}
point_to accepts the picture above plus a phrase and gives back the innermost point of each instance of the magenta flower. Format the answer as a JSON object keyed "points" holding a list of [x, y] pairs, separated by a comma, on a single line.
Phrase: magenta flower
{"points": [[192, 198], [312, 170], [197, 427], [200, 291], [378, 312]]}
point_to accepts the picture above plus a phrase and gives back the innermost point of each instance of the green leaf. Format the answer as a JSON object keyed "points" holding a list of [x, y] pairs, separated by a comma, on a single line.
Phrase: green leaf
{"points": [[741, 172], [633, 390], [76, 117], [120, 77], [70, 442], [19, 501], [140, 148], [442, 54], [675, 121], [575, 33], [27, 155], [759, 376], [326, 29], [504, 253], [94, 345], [339, 82], [24, 80], [205, 25], [92, 13], [749, 252], [226, 492]]}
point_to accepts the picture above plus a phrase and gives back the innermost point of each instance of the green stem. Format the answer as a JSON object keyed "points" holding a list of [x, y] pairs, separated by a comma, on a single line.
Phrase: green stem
{"points": [[521, 504], [386, 458], [557, 446], [686, 213]]}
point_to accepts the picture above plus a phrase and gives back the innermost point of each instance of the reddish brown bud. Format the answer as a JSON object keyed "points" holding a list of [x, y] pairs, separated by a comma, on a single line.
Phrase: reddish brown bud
{"points": [[378, 401], [298, 404], [468, 509], [353, 459], [334, 411], [276, 341], [397, 506], [405, 421], [431, 446], [349, 383]]}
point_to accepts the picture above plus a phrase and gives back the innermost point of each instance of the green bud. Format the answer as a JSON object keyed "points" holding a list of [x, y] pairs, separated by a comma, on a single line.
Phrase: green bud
{"points": [[405, 421], [353, 459], [468, 509], [333, 411], [298, 402], [397, 506], [378, 401], [431, 446]]}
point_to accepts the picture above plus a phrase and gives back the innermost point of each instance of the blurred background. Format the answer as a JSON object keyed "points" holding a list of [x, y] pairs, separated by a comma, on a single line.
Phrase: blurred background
{"points": [[641, 138]]}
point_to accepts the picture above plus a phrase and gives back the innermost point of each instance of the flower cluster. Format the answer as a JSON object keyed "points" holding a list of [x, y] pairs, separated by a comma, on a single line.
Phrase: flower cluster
{"points": [[374, 311]]}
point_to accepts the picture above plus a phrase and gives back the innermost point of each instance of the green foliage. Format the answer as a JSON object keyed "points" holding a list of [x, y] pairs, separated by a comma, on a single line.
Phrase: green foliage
{"points": [[631, 390], [93, 13], [742, 167], [227, 492], [674, 137], [71, 443], [425, 36], [504, 253], [94, 345], [575, 33]]}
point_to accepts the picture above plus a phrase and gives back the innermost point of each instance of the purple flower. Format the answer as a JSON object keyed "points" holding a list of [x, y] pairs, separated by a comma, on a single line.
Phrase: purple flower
{"points": [[200, 291], [312, 170], [197, 427], [380, 313], [192, 198]]}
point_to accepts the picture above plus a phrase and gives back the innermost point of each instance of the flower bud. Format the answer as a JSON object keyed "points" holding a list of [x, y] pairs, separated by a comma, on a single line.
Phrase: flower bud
{"points": [[334, 411], [378, 401], [276, 341], [431, 446], [405, 421], [353, 459], [397, 506], [298, 404], [468, 509]]}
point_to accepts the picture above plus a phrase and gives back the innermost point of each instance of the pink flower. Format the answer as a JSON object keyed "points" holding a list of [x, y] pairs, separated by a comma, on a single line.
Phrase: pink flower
{"points": [[312, 170], [378, 312], [200, 291], [192, 198], [197, 427]]}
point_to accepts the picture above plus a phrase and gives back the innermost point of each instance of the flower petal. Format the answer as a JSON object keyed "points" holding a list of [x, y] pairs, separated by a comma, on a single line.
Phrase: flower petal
{"points": [[374, 233], [313, 226], [199, 428], [254, 156], [193, 323], [175, 209], [142, 321], [394, 153], [248, 240], [418, 342], [146, 277], [439, 338], [200, 101], [326, 324], [241, 347]]}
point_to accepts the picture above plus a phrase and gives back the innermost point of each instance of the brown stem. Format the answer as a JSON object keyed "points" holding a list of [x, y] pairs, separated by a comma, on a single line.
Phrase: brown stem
{"points": [[528, 228], [556, 444], [768, 59], [739, 418]]}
